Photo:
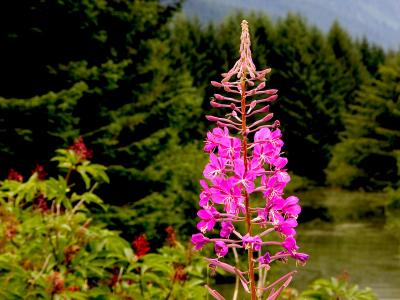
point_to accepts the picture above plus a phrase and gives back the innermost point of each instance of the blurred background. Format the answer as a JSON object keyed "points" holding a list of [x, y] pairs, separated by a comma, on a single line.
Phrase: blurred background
{"points": [[132, 78]]}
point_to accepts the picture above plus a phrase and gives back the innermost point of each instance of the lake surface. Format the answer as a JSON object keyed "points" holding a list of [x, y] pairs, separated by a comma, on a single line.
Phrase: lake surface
{"points": [[367, 252]]}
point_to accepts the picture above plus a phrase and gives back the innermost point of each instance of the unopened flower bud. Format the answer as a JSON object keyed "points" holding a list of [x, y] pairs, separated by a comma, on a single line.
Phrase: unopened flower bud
{"points": [[271, 91], [219, 97], [216, 84], [268, 117], [211, 118], [264, 109], [215, 104], [260, 86]]}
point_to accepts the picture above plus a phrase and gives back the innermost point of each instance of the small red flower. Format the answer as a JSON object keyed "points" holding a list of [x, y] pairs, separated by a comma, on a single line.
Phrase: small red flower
{"points": [[41, 173], [57, 282], [180, 273], [70, 252], [140, 245], [74, 288], [41, 204], [115, 277], [14, 175], [80, 149], [171, 236]]}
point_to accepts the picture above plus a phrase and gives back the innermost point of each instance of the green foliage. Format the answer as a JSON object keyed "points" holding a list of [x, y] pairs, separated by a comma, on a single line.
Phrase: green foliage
{"points": [[123, 93], [50, 248], [371, 55], [172, 274], [133, 79], [367, 156], [392, 211], [309, 108], [175, 170], [348, 63], [38, 123], [338, 289], [317, 76]]}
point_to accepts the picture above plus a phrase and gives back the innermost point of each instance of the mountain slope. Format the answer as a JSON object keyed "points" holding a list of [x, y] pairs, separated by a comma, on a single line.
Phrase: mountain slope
{"points": [[378, 20]]}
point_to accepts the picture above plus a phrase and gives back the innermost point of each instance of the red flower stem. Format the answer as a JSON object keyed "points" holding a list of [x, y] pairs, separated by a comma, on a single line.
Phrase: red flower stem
{"points": [[246, 195]]}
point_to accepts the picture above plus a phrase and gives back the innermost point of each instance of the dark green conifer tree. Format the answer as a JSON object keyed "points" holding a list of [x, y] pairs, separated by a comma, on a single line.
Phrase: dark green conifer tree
{"points": [[114, 83], [372, 56], [309, 104], [351, 72], [368, 155]]}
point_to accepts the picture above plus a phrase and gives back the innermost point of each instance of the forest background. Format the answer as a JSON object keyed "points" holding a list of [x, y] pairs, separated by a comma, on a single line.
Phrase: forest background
{"points": [[132, 78]]}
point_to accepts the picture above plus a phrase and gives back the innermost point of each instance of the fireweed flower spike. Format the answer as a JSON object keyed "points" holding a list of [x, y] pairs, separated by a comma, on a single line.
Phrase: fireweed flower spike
{"points": [[245, 159]]}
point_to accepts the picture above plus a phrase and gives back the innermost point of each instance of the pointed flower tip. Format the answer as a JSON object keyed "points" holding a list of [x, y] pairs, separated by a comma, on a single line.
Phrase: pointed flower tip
{"points": [[216, 84], [245, 25], [211, 118]]}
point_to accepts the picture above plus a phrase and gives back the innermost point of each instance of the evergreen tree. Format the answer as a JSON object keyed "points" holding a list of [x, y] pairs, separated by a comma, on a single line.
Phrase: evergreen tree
{"points": [[309, 104], [35, 125], [317, 77], [372, 56], [368, 155], [351, 72], [122, 94]]}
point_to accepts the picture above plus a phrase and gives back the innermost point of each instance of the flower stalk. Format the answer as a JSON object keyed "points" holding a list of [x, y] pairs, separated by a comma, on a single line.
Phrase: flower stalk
{"points": [[237, 164]]}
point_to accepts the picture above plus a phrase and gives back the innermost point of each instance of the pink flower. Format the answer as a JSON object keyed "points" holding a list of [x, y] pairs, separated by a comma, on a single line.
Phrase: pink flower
{"points": [[229, 148], [262, 215], [214, 137], [252, 242], [227, 193], [262, 135], [199, 240], [290, 244], [221, 249], [266, 135], [270, 140], [205, 195], [208, 219], [226, 229], [291, 207], [301, 257], [256, 168], [282, 177], [265, 259], [281, 225], [276, 202], [259, 154], [264, 153], [279, 162], [216, 167], [242, 177], [275, 184]]}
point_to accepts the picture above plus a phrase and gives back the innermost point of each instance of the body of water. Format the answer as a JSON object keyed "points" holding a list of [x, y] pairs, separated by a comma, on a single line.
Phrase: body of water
{"points": [[368, 253]]}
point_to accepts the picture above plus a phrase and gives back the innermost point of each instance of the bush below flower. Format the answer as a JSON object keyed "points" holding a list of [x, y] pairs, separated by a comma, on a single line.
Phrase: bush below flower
{"points": [[50, 248]]}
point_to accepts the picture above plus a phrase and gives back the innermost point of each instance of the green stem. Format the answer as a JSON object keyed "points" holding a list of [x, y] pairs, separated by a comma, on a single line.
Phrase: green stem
{"points": [[236, 292]]}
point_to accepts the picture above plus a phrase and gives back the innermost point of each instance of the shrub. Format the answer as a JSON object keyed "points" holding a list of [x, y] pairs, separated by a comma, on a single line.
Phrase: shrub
{"points": [[50, 247]]}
